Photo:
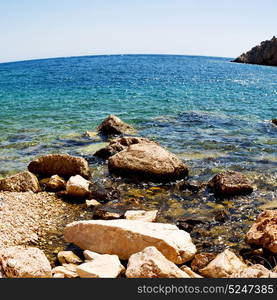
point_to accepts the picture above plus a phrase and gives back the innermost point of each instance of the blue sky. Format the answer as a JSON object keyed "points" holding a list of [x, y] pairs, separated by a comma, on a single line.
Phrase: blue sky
{"points": [[47, 28]]}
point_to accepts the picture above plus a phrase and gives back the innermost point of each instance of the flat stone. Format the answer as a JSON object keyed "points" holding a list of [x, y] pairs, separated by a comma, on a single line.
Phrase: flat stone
{"points": [[151, 263], [65, 271], [142, 215], [126, 237], [77, 186]]}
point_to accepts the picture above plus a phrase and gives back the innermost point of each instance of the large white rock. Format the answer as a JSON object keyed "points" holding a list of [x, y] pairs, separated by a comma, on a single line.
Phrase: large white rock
{"points": [[150, 263], [102, 266], [77, 186], [126, 237], [225, 264], [21, 262]]}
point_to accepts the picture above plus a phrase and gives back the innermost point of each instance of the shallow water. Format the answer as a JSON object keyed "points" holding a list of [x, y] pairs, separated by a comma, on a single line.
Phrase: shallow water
{"points": [[212, 113]]}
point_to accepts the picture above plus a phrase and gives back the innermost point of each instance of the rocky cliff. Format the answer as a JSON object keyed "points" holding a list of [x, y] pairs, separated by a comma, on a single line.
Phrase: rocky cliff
{"points": [[263, 54]]}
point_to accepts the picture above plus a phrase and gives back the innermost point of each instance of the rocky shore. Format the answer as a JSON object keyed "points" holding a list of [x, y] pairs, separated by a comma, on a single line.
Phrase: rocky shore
{"points": [[56, 203]]}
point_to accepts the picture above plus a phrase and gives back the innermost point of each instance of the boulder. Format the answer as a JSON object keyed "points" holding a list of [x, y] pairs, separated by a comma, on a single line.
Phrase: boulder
{"points": [[225, 264], [21, 262], [126, 237], [151, 263], [264, 231], [255, 271], [65, 271], [77, 186], [20, 182], [230, 183], [63, 165], [54, 184], [119, 144], [142, 215], [112, 125], [68, 257], [147, 161], [263, 54], [102, 266]]}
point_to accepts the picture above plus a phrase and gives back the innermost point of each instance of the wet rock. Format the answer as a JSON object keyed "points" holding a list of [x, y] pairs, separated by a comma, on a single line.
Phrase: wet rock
{"points": [[189, 272], [151, 263], [92, 203], [147, 161], [21, 262], [201, 260], [65, 271], [224, 265], [102, 266], [188, 224], [263, 54], [264, 231], [54, 184], [119, 144], [112, 125], [63, 165], [255, 271], [20, 182], [274, 121], [104, 194], [77, 186], [230, 183], [142, 215], [191, 185], [126, 237], [68, 257]]}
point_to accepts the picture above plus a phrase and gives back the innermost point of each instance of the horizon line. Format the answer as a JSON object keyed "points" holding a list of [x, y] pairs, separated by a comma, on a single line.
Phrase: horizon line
{"points": [[114, 54]]}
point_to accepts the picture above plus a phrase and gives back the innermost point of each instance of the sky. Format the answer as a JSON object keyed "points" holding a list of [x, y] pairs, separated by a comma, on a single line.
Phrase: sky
{"points": [[31, 29]]}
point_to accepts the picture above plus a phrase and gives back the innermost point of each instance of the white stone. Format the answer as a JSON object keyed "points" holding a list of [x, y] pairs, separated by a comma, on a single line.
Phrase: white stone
{"points": [[77, 186], [142, 215]]}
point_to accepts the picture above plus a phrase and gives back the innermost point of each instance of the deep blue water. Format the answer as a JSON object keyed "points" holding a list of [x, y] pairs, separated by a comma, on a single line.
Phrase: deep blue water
{"points": [[213, 113]]}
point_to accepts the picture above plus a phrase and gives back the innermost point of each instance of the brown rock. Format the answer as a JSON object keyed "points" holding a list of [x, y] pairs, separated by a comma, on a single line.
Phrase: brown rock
{"points": [[60, 164], [201, 260], [21, 262], [264, 54], [68, 257], [55, 184], [120, 144], [147, 161], [151, 263], [77, 186], [112, 125], [264, 231], [230, 183], [255, 271], [20, 182], [126, 237]]}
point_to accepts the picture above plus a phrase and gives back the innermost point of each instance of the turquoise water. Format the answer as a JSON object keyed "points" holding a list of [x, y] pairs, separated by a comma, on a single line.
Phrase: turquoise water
{"points": [[189, 104]]}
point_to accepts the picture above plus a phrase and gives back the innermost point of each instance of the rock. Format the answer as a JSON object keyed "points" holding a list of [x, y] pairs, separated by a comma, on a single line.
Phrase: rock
{"points": [[126, 237], [147, 161], [191, 185], [225, 264], [119, 144], [230, 183], [112, 125], [264, 231], [63, 165], [20, 182], [55, 184], [68, 257], [90, 255], [21, 262], [142, 215], [92, 203], [105, 212], [274, 269], [255, 271], [274, 121], [77, 186], [201, 260], [189, 272], [102, 266], [65, 271], [264, 54], [150, 263]]}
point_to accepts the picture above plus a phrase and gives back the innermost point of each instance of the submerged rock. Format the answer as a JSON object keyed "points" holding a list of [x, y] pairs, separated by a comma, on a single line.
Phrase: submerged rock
{"points": [[126, 237], [77, 186], [112, 125], [119, 144], [264, 231], [151, 263], [21, 262], [230, 183], [20, 182], [60, 164], [263, 54], [147, 161], [224, 265]]}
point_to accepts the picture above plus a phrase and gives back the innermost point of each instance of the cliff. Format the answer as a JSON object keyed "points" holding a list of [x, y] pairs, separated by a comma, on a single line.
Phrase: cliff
{"points": [[263, 54]]}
